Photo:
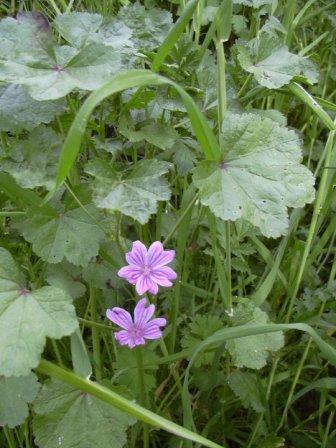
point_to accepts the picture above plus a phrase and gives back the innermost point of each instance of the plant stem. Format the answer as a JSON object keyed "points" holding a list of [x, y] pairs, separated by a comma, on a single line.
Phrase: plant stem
{"points": [[143, 393], [95, 335]]}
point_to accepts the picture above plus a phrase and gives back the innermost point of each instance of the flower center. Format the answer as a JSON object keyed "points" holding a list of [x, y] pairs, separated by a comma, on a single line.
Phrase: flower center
{"points": [[136, 332], [146, 270]]}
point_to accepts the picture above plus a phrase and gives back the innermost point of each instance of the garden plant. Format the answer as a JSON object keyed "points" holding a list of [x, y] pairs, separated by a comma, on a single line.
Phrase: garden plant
{"points": [[168, 226]]}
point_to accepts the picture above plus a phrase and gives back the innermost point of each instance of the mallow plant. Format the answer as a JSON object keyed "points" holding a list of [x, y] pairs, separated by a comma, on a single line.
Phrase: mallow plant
{"points": [[167, 248]]}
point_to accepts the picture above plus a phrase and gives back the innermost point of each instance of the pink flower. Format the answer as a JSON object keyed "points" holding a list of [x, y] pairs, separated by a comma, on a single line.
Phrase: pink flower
{"points": [[147, 269], [142, 327]]}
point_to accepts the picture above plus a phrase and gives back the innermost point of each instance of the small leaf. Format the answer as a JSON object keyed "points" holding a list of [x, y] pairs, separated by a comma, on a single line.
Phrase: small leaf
{"points": [[135, 194], [272, 64], [260, 174], [15, 393], [161, 135], [62, 234], [252, 351], [33, 161], [248, 388], [27, 318], [19, 111], [70, 418], [65, 276]]}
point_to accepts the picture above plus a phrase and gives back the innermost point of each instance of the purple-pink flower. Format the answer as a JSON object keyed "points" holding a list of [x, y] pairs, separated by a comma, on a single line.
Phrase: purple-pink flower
{"points": [[147, 268], [136, 330]]}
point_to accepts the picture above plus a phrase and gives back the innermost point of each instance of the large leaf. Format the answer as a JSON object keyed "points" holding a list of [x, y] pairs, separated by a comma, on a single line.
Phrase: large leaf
{"points": [[27, 318], [32, 58], [82, 28], [15, 393], [252, 351], [18, 110], [149, 27], [135, 194], [272, 64], [260, 174], [69, 418], [62, 234], [33, 161]]}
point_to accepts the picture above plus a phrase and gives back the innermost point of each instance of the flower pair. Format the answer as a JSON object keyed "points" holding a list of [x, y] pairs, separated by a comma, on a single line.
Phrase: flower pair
{"points": [[147, 270]]}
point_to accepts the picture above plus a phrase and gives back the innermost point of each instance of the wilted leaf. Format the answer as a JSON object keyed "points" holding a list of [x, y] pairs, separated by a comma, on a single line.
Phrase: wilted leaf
{"points": [[252, 351], [27, 318], [15, 393], [134, 194], [260, 174], [62, 234], [272, 64], [69, 418], [247, 387], [33, 161], [19, 111]]}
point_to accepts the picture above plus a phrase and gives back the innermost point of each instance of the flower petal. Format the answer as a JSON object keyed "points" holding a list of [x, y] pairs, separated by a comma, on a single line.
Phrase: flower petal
{"points": [[154, 289], [152, 331], [159, 321], [139, 341], [143, 313], [130, 273], [120, 317], [166, 257], [137, 256], [143, 284], [123, 337], [154, 253], [163, 275]]}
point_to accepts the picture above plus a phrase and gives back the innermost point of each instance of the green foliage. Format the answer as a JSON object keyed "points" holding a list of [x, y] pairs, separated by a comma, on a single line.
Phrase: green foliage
{"points": [[248, 388], [47, 69], [252, 351], [272, 65], [16, 393], [19, 111], [133, 193], [260, 174], [33, 161], [127, 370], [58, 234], [70, 418], [28, 317], [199, 329]]}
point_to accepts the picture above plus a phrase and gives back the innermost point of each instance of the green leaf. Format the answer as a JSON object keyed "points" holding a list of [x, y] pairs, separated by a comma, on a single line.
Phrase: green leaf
{"points": [[272, 441], [199, 329], [19, 111], [69, 418], [260, 174], [149, 27], [15, 393], [247, 387], [272, 65], [33, 161], [49, 70], [27, 318], [252, 351], [82, 28], [126, 370], [253, 3], [65, 276], [62, 234], [135, 194], [161, 135]]}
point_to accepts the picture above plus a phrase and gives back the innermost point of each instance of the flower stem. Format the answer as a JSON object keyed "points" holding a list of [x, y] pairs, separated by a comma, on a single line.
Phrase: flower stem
{"points": [[143, 394], [95, 335]]}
